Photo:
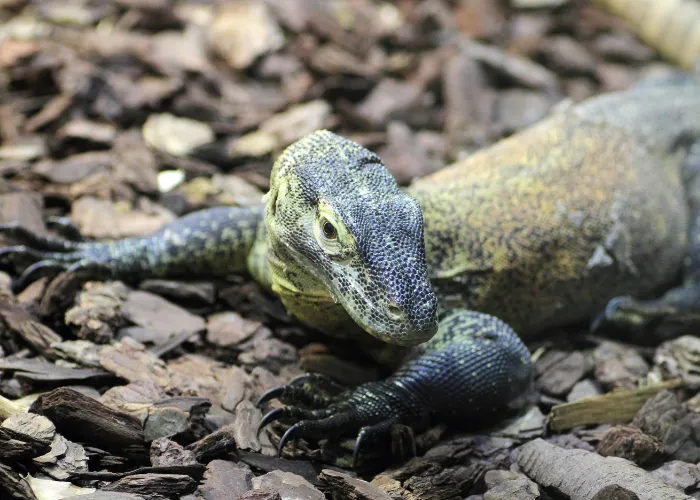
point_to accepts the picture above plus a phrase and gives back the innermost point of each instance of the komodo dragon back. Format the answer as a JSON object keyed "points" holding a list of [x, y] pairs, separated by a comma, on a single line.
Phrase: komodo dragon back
{"points": [[544, 227]]}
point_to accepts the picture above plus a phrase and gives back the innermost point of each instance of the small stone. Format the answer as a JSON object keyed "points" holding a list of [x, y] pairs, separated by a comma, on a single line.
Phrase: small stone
{"points": [[584, 389], [24, 149], [290, 486], [31, 424], [98, 311], [344, 486], [129, 360], [103, 219], [74, 168], [154, 485], [165, 423], [665, 418], [167, 453], [516, 109], [615, 77], [629, 442], [271, 353], [404, 156], [154, 312], [227, 329], [225, 480], [174, 135], [618, 366], [505, 485], [246, 422], [261, 494], [388, 98], [23, 208], [242, 31], [235, 387], [679, 358], [559, 378], [680, 475], [615, 492], [283, 129], [622, 46], [537, 4], [99, 134], [568, 56]]}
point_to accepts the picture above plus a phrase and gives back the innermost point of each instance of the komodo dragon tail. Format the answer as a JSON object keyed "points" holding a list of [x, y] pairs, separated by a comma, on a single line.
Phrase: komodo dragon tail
{"points": [[670, 26]]}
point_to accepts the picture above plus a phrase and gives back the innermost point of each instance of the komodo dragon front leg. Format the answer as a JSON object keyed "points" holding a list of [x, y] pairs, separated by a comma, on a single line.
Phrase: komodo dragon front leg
{"points": [[206, 243]]}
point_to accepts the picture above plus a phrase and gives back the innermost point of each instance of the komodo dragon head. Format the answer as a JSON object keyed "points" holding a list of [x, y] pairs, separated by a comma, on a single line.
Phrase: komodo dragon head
{"points": [[340, 232]]}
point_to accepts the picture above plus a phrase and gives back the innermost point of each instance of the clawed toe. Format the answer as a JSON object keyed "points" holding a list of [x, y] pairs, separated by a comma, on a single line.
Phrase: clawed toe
{"points": [[630, 314], [38, 270], [365, 411]]}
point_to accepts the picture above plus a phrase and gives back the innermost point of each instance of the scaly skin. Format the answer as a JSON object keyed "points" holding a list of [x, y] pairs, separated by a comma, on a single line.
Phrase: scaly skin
{"points": [[670, 26], [540, 230]]}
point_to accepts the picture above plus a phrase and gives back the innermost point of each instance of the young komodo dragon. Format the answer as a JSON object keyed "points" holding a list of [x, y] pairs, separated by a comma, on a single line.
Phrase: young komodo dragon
{"points": [[543, 229]]}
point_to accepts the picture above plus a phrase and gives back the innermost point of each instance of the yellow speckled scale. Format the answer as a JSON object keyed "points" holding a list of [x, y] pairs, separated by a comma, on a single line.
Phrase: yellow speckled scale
{"points": [[543, 228]]}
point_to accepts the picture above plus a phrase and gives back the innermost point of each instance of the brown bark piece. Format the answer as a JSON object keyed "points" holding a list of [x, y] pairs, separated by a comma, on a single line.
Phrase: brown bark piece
{"points": [[581, 474], [223, 480], [560, 374], [15, 445], [217, 444], [288, 485], [507, 485], [665, 418], [351, 488], [263, 494], [129, 360], [615, 492], [39, 336], [166, 453], [149, 485], [154, 312], [13, 485], [82, 419], [628, 441], [681, 475]]}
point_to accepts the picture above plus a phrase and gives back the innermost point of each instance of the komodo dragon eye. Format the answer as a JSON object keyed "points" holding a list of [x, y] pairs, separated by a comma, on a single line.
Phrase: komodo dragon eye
{"points": [[329, 230]]}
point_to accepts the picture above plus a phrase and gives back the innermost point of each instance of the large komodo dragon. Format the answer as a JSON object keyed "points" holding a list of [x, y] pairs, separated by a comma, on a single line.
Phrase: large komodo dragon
{"points": [[546, 228]]}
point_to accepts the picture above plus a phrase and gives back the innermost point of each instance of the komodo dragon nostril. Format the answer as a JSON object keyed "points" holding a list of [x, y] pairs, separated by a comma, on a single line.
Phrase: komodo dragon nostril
{"points": [[395, 312]]}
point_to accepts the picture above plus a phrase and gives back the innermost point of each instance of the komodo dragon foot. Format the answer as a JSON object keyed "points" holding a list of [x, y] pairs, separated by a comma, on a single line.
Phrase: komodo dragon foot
{"points": [[371, 408], [474, 369]]}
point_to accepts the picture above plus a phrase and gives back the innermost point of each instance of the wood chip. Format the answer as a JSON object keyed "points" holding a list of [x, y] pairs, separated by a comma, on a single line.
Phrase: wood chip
{"points": [[550, 465], [351, 488], [150, 485], [85, 420]]}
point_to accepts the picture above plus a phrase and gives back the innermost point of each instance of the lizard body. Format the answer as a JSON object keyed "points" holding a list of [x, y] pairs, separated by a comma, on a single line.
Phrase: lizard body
{"points": [[539, 230]]}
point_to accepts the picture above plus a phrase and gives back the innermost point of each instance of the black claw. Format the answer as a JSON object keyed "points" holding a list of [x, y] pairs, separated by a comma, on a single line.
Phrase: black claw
{"points": [[36, 271], [270, 417], [21, 251], [292, 433], [291, 411], [271, 394], [290, 394], [369, 432], [318, 422], [65, 228]]}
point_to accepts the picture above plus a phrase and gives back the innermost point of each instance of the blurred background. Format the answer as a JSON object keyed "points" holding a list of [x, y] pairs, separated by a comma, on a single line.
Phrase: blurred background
{"points": [[128, 113]]}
